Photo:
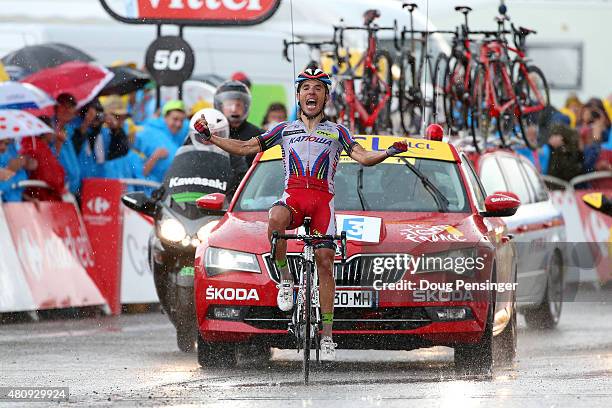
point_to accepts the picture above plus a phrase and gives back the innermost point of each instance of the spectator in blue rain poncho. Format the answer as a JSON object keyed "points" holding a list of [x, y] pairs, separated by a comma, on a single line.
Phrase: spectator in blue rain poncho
{"points": [[12, 170], [159, 140]]}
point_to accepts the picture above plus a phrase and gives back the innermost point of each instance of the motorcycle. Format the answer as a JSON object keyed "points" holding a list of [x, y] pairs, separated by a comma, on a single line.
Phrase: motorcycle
{"points": [[180, 226]]}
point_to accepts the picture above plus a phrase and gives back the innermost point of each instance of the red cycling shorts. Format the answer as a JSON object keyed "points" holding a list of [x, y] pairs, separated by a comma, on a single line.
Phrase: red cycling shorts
{"points": [[316, 204]]}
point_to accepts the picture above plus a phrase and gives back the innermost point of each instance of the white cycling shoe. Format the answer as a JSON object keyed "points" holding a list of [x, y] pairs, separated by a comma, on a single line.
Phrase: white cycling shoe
{"points": [[284, 298], [328, 349]]}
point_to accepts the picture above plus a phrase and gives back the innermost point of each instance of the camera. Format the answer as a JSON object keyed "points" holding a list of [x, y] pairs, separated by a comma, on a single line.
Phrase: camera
{"points": [[100, 116]]}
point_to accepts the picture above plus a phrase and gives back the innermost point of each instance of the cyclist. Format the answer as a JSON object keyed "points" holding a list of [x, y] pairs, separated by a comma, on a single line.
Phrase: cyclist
{"points": [[311, 149]]}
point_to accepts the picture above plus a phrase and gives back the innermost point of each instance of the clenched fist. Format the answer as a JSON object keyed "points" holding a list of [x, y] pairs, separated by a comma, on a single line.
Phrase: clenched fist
{"points": [[201, 126]]}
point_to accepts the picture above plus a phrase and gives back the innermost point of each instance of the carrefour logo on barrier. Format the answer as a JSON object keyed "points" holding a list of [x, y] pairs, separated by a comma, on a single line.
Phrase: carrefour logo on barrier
{"points": [[358, 228], [98, 205]]}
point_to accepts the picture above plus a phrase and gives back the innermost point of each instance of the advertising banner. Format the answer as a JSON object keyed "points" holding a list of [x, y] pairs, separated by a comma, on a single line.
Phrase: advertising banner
{"points": [[137, 285], [54, 274], [15, 295], [101, 209]]}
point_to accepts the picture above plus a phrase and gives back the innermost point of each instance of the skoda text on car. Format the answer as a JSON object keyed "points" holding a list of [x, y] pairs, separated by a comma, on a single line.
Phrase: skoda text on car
{"points": [[539, 233], [390, 294]]}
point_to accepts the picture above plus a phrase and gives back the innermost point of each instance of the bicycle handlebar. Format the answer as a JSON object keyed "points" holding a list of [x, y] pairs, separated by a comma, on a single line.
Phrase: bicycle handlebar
{"points": [[311, 44], [306, 238]]}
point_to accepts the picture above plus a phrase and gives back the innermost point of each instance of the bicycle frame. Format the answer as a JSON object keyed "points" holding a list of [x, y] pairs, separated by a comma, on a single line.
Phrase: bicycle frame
{"points": [[495, 110], [355, 106], [308, 292]]}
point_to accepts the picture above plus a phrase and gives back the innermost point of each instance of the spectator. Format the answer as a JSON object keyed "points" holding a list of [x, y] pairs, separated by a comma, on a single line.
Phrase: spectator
{"points": [[63, 122], [276, 113], [157, 143], [115, 115], [46, 167], [572, 109], [599, 121], [141, 104], [12, 171], [173, 122], [590, 147], [241, 77], [91, 140], [123, 162], [565, 155]]}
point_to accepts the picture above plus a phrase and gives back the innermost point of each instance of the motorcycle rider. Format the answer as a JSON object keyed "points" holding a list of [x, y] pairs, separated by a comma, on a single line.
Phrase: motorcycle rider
{"points": [[233, 98], [311, 149]]}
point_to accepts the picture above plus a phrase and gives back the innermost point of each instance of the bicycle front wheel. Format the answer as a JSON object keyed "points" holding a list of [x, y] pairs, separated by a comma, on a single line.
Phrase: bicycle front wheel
{"points": [[409, 95], [531, 88], [306, 319]]}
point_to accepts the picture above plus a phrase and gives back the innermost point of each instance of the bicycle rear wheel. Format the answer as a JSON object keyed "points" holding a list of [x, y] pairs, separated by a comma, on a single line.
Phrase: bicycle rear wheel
{"points": [[481, 123], [440, 67], [409, 94], [532, 96], [456, 94]]}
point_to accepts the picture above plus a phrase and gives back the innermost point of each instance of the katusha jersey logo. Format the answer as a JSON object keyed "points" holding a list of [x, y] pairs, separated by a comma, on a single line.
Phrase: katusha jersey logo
{"points": [[308, 138], [98, 205]]}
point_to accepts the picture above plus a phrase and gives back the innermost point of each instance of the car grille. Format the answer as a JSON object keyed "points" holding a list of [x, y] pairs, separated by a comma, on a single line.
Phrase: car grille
{"points": [[358, 271], [389, 318]]}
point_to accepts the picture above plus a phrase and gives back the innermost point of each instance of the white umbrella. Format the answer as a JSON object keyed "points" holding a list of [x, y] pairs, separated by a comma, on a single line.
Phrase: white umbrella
{"points": [[16, 123], [16, 95]]}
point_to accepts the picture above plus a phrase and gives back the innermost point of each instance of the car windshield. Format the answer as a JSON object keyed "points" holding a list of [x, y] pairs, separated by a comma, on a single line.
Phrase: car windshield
{"points": [[385, 187]]}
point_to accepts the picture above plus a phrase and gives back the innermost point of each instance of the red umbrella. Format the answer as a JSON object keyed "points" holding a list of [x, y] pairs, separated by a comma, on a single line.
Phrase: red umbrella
{"points": [[83, 80]]}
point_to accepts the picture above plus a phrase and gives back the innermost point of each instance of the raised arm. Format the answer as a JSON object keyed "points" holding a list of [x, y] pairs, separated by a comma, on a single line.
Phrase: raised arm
{"points": [[238, 147], [366, 158]]}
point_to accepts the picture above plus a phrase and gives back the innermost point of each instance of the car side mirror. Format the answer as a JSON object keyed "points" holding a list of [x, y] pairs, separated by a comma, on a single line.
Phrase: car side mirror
{"points": [[138, 201], [501, 204], [212, 203]]}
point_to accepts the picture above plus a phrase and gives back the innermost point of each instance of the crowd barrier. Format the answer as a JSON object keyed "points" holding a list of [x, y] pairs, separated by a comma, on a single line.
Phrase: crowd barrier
{"points": [[119, 238], [583, 224], [45, 258]]}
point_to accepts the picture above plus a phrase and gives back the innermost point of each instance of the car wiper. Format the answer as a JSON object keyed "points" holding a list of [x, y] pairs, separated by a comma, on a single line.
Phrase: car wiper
{"points": [[441, 201], [362, 200]]}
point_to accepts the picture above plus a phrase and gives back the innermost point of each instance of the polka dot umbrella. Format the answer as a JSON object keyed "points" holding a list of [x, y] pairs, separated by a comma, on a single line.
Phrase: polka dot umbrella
{"points": [[15, 124]]}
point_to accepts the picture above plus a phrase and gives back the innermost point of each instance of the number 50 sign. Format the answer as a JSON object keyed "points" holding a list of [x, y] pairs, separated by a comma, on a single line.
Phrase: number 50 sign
{"points": [[169, 60]]}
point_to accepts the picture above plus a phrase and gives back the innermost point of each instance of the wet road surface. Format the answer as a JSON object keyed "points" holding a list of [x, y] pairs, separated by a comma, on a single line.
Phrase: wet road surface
{"points": [[132, 360]]}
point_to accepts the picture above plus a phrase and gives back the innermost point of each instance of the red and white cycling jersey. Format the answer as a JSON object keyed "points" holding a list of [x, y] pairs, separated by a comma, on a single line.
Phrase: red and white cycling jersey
{"points": [[310, 158]]}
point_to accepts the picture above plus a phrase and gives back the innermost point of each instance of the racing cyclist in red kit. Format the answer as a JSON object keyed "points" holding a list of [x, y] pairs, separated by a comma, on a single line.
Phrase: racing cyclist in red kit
{"points": [[311, 148]]}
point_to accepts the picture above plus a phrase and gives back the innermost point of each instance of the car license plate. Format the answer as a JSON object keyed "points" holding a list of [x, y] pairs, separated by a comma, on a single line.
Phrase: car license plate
{"points": [[353, 298]]}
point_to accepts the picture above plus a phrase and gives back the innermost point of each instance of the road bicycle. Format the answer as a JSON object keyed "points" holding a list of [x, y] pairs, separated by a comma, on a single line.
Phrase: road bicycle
{"points": [[367, 110], [416, 73], [306, 323], [501, 101]]}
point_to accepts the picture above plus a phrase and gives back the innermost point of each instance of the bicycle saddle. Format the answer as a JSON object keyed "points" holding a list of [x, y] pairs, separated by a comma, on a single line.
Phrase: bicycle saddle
{"points": [[463, 9], [501, 18], [370, 15], [526, 31], [410, 6]]}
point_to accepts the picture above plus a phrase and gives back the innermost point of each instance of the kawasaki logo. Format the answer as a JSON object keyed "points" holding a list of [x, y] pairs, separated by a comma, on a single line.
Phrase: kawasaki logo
{"points": [[200, 181], [98, 205], [231, 294]]}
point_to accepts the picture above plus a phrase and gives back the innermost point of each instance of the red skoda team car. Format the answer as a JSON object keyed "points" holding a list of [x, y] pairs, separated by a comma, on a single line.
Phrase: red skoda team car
{"points": [[429, 260]]}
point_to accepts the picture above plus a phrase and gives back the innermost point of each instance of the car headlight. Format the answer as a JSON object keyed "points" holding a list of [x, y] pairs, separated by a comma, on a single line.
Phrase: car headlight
{"points": [[224, 260], [204, 231], [172, 230], [463, 262]]}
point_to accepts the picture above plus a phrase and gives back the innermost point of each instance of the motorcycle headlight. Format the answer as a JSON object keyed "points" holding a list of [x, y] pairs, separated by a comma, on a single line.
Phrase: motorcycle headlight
{"points": [[463, 262], [219, 261], [172, 230], [204, 231]]}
